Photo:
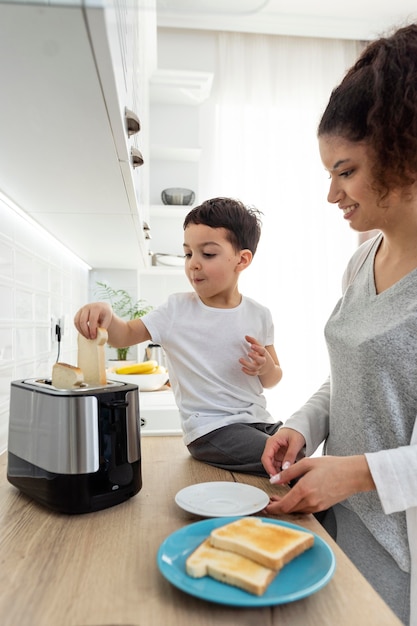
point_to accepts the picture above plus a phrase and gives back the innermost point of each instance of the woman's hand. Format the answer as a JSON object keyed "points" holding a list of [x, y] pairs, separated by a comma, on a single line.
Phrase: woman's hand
{"points": [[91, 316], [282, 450], [322, 482]]}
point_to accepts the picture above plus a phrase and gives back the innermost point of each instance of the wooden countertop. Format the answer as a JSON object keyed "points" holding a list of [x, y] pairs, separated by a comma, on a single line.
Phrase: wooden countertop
{"points": [[100, 569]]}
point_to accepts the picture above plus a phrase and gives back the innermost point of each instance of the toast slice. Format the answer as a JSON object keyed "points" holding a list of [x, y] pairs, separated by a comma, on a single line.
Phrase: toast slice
{"points": [[229, 567], [66, 376], [270, 545], [92, 358]]}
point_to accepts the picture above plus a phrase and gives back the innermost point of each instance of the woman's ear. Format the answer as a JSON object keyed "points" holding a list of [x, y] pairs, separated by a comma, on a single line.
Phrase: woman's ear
{"points": [[246, 257]]}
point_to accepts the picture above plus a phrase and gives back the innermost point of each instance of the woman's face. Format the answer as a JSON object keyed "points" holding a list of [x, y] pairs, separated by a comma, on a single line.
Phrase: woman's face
{"points": [[349, 166]]}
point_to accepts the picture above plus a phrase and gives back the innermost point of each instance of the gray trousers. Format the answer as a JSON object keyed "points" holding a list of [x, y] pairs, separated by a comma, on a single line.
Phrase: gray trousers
{"points": [[236, 447], [371, 559]]}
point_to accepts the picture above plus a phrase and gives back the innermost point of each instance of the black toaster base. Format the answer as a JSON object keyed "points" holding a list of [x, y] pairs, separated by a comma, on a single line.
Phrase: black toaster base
{"points": [[74, 493]]}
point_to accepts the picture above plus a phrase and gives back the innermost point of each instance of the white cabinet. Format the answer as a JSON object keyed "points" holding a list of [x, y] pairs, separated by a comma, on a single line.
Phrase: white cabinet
{"points": [[175, 151], [159, 414], [67, 73]]}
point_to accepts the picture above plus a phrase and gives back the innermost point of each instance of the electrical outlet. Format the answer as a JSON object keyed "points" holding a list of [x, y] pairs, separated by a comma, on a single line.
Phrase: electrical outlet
{"points": [[54, 323]]}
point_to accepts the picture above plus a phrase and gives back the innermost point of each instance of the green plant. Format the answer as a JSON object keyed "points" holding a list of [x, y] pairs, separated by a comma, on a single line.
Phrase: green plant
{"points": [[124, 306]]}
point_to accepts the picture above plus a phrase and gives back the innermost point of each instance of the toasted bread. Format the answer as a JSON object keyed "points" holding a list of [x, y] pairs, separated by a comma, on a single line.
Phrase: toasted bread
{"points": [[92, 359], [66, 376], [271, 545], [229, 567]]}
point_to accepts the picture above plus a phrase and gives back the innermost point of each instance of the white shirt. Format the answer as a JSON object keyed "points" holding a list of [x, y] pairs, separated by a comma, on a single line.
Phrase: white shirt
{"points": [[203, 346]]}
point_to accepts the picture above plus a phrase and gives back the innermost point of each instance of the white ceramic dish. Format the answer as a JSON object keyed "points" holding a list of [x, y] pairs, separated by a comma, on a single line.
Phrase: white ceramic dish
{"points": [[221, 499], [145, 382]]}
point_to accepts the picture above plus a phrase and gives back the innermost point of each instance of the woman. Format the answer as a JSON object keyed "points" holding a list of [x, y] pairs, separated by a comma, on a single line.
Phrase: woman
{"points": [[366, 482]]}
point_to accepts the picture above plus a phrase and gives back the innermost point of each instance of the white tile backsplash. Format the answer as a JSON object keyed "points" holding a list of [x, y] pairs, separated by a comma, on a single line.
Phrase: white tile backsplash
{"points": [[6, 259], [24, 304], [38, 279], [23, 273], [5, 377], [6, 302], [41, 303], [6, 343], [25, 343]]}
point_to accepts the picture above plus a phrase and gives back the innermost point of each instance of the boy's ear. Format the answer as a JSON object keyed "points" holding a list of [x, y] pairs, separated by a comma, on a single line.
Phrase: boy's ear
{"points": [[246, 257]]}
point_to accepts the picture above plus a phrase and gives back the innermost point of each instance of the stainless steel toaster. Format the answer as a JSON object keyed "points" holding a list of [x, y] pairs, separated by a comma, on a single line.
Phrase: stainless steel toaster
{"points": [[77, 450]]}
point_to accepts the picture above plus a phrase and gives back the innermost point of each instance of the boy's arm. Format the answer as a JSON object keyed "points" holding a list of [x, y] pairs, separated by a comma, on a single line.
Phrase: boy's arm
{"points": [[271, 373], [121, 333], [262, 362]]}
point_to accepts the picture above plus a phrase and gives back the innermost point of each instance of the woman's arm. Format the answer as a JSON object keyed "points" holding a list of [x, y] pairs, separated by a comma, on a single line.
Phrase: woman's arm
{"points": [[321, 483], [394, 473]]}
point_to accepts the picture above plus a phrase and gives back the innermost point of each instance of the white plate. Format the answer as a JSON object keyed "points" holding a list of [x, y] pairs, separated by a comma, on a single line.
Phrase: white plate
{"points": [[221, 499]]}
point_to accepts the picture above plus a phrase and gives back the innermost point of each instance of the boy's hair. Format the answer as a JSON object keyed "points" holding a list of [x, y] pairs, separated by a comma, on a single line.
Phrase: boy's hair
{"points": [[243, 224]]}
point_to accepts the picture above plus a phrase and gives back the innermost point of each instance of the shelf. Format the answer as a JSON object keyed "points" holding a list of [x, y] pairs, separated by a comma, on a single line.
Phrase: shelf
{"points": [[180, 86], [167, 153]]}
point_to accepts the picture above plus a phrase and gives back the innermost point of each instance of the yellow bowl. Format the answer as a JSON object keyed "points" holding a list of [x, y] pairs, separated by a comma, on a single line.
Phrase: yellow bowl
{"points": [[145, 382]]}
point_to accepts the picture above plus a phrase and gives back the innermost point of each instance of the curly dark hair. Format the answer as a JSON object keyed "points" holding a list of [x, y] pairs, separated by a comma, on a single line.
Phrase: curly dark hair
{"points": [[376, 102], [243, 223]]}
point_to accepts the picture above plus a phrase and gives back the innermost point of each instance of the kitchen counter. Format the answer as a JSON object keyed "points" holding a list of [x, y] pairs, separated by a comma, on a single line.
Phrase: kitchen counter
{"points": [[100, 569]]}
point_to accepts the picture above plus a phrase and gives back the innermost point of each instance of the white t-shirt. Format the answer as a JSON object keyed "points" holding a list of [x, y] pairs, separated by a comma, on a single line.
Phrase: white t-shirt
{"points": [[203, 346]]}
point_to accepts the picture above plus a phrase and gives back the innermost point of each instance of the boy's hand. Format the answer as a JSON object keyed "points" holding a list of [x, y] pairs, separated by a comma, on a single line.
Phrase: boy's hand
{"points": [[91, 316], [257, 358], [263, 362]]}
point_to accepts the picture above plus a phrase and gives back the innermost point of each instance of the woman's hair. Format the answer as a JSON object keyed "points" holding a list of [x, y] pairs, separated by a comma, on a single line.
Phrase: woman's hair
{"points": [[243, 224], [376, 103]]}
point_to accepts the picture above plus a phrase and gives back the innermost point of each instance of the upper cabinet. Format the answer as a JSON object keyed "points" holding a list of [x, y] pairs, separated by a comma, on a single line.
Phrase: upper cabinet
{"points": [[175, 151], [74, 124]]}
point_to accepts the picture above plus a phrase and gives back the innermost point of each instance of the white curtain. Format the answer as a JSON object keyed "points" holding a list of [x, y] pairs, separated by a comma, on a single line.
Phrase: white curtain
{"points": [[259, 145]]}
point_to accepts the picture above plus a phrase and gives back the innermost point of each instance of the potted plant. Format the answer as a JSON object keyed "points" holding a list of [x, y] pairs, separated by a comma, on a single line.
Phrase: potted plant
{"points": [[124, 306]]}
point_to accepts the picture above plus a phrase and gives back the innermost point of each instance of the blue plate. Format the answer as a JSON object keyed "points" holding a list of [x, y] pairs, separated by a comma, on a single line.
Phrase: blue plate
{"points": [[302, 577]]}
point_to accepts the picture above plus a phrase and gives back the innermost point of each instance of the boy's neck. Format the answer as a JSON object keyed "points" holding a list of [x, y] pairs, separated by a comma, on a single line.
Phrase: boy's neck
{"points": [[223, 301]]}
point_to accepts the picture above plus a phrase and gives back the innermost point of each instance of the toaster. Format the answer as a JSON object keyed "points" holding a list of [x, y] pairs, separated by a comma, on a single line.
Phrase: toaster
{"points": [[78, 450]]}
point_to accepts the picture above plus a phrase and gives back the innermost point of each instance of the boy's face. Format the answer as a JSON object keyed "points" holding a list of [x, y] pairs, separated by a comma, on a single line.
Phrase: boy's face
{"points": [[211, 264]]}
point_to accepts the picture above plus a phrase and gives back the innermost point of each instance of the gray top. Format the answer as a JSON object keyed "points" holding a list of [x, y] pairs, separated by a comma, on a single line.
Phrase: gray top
{"points": [[370, 402]]}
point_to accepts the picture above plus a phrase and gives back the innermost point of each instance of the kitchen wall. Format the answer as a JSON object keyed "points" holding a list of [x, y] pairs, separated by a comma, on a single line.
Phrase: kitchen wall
{"points": [[39, 280], [117, 279], [279, 278]]}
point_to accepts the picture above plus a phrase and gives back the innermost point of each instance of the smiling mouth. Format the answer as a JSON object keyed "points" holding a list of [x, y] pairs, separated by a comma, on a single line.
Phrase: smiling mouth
{"points": [[348, 210]]}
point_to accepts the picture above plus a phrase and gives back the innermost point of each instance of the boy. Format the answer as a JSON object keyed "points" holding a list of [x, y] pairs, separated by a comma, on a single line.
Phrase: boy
{"points": [[219, 344]]}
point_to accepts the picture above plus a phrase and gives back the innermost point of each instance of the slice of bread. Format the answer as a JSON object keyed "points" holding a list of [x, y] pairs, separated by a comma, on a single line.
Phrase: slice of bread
{"points": [[92, 358], [229, 567], [271, 545], [66, 376]]}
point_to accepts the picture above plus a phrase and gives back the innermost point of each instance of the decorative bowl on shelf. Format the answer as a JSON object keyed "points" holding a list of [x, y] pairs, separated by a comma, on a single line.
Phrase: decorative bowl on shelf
{"points": [[168, 260], [178, 195]]}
